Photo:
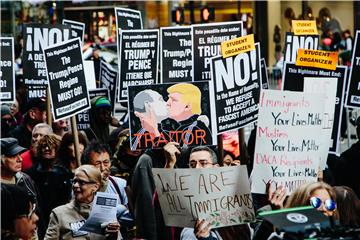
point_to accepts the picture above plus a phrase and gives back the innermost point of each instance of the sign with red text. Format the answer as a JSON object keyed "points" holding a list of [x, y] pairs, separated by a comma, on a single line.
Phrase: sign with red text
{"points": [[288, 139], [163, 113], [220, 195]]}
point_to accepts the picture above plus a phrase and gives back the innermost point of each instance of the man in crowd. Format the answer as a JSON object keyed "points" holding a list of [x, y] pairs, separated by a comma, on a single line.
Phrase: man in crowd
{"points": [[11, 162], [35, 114], [38, 132]]}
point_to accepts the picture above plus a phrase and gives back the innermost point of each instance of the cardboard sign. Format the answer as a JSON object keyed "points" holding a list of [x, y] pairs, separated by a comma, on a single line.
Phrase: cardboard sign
{"points": [[170, 112], [317, 58], [294, 43], [288, 139], [175, 54], [220, 195], [238, 45], [327, 87], [7, 70], [206, 43], [237, 83], [83, 118], [108, 77], [293, 80], [138, 59], [353, 88], [264, 74], [304, 27], [77, 29], [36, 38], [65, 74]]}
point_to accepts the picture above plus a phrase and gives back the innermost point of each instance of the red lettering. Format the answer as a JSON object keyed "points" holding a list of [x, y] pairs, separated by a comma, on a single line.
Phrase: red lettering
{"points": [[185, 134], [198, 136]]}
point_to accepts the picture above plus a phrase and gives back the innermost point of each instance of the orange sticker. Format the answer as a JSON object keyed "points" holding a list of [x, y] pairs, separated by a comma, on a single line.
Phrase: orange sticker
{"points": [[317, 58], [304, 27], [237, 45]]}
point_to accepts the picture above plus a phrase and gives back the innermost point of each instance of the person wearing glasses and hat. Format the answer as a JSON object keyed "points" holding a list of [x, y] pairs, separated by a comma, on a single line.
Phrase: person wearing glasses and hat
{"points": [[11, 174], [35, 114], [18, 217]]}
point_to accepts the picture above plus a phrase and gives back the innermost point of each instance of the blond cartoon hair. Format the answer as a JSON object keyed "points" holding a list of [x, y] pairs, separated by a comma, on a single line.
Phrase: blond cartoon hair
{"points": [[191, 95]]}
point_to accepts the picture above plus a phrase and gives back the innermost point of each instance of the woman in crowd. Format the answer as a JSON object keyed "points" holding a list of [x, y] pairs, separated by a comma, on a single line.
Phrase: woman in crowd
{"points": [[348, 205], [66, 153], [18, 217], [318, 194], [66, 220]]}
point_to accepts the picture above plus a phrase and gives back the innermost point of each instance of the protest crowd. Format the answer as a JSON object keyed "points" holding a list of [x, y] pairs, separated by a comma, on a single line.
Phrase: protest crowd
{"points": [[169, 168]]}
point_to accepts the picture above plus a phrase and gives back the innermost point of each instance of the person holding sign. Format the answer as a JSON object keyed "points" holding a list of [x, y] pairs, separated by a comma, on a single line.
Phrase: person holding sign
{"points": [[203, 157], [66, 220]]}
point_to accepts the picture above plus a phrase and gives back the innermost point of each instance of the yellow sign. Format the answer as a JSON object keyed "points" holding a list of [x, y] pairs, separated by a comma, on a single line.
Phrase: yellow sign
{"points": [[237, 45], [304, 27], [317, 58]]}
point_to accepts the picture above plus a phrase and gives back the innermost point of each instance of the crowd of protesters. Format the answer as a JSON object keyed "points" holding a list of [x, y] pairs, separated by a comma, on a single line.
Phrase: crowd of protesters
{"points": [[46, 195]]}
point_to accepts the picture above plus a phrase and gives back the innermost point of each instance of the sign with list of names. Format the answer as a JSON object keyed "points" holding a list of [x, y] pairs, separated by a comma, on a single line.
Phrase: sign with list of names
{"points": [[65, 72], [221, 195], [288, 139], [7, 70]]}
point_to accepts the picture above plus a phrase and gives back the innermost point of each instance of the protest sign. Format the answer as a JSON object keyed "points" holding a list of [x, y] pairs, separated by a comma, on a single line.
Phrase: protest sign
{"points": [[304, 27], [175, 54], [138, 59], [161, 113], [288, 139], [83, 118], [206, 40], [65, 74], [128, 19], [36, 38], [327, 87], [293, 43], [7, 70], [293, 80], [264, 74], [317, 58], [108, 77], [220, 195], [353, 88], [238, 45], [77, 29], [237, 82], [89, 71]]}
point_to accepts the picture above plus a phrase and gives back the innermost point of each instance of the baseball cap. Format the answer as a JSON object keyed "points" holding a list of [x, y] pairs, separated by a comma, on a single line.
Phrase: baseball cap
{"points": [[10, 147], [39, 103]]}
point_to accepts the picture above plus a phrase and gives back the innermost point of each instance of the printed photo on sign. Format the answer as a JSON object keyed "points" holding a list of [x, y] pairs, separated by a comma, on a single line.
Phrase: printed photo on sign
{"points": [[67, 84], [353, 88], [237, 82], [77, 29], [293, 80], [7, 70], [327, 87], [264, 74], [36, 38], [288, 139], [206, 44], [108, 79], [165, 113], [175, 54], [138, 59], [294, 42], [83, 118], [220, 195]]}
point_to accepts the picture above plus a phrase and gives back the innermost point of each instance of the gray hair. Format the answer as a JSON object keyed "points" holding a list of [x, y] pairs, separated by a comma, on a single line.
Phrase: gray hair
{"points": [[213, 155], [43, 125]]}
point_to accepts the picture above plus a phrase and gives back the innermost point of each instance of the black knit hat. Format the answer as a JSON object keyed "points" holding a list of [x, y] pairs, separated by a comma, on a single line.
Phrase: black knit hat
{"points": [[15, 201]]}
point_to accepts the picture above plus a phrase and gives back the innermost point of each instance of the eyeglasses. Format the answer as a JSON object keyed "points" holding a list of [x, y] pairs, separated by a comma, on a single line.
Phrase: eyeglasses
{"points": [[202, 163], [29, 214], [316, 202], [80, 182]]}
